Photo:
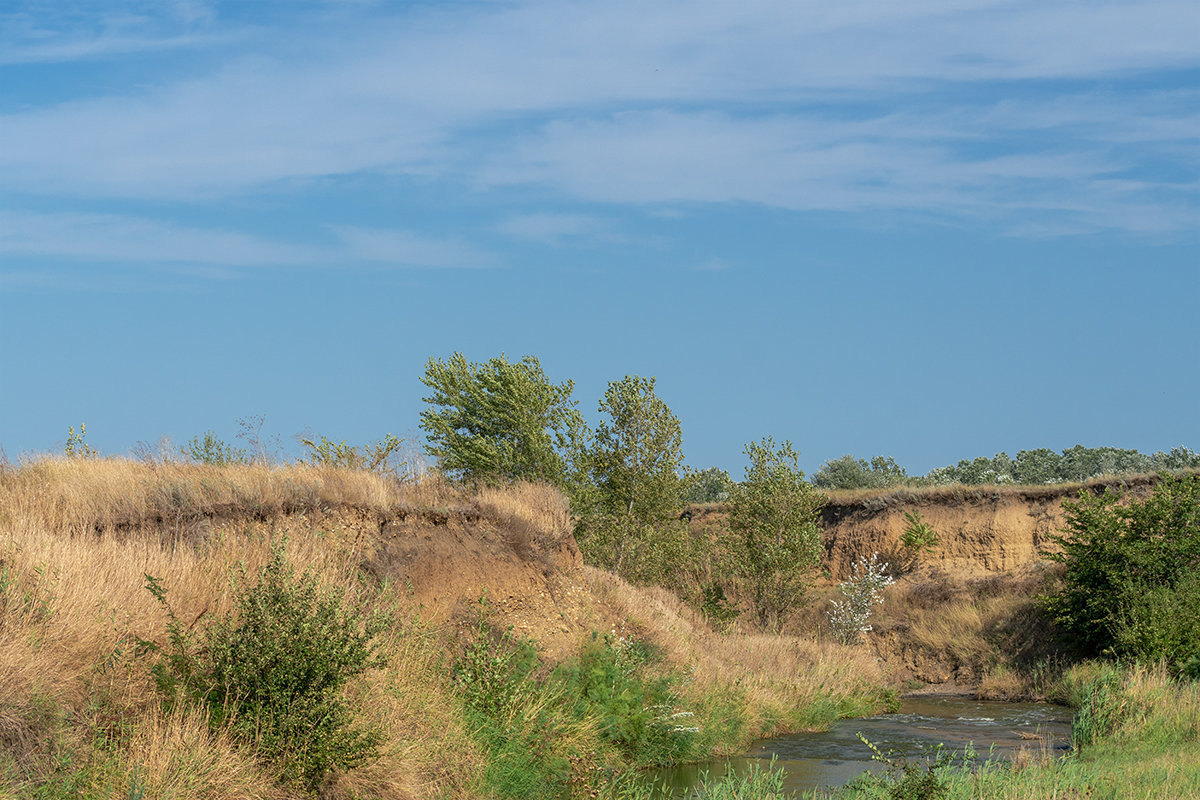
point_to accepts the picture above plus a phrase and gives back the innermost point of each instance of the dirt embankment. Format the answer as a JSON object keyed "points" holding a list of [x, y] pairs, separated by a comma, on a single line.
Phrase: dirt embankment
{"points": [[980, 529]]}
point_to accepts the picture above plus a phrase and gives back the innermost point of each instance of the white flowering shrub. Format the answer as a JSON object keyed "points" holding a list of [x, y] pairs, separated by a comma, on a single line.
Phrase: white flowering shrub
{"points": [[850, 617]]}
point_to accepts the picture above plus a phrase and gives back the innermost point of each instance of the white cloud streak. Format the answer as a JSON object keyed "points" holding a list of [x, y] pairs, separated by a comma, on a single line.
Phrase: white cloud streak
{"points": [[957, 107], [99, 238]]}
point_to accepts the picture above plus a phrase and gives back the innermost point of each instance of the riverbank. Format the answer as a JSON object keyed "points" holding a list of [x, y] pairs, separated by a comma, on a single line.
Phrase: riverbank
{"points": [[492, 642], [1136, 735]]}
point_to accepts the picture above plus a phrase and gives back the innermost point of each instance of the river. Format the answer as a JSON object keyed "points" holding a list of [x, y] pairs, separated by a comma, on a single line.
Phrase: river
{"points": [[835, 756]]}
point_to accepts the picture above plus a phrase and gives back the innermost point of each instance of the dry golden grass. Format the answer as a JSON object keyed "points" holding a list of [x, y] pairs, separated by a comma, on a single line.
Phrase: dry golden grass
{"points": [[536, 506], [979, 629], [176, 754], [78, 537], [775, 674], [101, 495]]}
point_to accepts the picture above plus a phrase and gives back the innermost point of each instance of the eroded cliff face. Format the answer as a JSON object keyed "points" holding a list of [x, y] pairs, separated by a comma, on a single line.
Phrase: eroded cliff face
{"points": [[992, 529], [980, 529]]}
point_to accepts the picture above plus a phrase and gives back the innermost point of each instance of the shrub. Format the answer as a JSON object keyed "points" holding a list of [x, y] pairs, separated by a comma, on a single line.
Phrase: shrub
{"points": [[636, 711], [850, 617], [1161, 621], [918, 536], [495, 670], [274, 671], [849, 472], [76, 447], [711, 485], [373, 457], [904, 779], [1126, 564], [210, 449]]}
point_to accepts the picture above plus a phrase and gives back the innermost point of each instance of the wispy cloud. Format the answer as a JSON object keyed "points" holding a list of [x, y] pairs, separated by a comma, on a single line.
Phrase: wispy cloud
{"points": [[112, 237], [107, 238], [557, 228], [966, 108], [407, 248]]}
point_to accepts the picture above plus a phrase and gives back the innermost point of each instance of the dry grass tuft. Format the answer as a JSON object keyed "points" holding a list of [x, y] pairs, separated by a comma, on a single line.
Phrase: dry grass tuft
{"points": [[176, 754], [777, 675]]}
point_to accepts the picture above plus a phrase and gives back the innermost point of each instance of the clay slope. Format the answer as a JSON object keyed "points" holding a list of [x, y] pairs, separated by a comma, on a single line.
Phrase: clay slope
{"points": [[981, 529]]}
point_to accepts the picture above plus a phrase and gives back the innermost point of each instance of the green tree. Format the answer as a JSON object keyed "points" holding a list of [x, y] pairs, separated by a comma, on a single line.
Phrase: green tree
{"points": [[710, 485], [774, 538], [627, 488], [498, 420], [1118, 556], [849, 472]]}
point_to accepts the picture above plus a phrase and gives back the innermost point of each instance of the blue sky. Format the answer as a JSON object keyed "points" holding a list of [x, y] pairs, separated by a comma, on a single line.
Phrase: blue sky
{"points": [[932, 230]]}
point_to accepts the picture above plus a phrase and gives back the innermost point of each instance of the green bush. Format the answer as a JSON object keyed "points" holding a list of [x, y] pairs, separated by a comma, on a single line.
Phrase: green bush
{"points": [[495, 670], [210, 449], [1161, 622], [849, 472], [1130, 571], [274, 671], [636, 710], [711, 485], [902, 778], [76, 447], [918, 536], [373, 457]]}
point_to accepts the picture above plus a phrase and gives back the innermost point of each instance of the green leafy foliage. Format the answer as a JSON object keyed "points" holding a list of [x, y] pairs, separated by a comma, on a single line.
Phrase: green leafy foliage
{"points": [[274, 671], [75, 446], [716, 605], [1078, 463], [774, 539], [711, 485], [627, 489], [494, 672], [498, 421], [210, 449], [849, 472], [636, 710], [376, 456], [1129, 581], [904, 779], [918, 536]]}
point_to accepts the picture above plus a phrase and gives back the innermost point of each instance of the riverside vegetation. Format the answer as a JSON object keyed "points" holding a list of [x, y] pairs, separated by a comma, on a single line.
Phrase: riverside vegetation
{"points": [[216, 624]]}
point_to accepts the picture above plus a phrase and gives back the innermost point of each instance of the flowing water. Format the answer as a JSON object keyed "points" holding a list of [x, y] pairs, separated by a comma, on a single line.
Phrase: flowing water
{"points": [[835, 756]]}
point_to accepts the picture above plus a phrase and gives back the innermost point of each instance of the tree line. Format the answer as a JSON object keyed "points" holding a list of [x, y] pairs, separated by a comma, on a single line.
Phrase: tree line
{"points": [[1030, 467], [499, 421]]}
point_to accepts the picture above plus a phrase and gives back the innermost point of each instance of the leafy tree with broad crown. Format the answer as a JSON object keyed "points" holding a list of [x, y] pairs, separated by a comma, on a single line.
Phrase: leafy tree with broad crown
{"points": [[627, 487], [710, 485], [498, 420], [1118, 554], [849, 472], [774, 537]]}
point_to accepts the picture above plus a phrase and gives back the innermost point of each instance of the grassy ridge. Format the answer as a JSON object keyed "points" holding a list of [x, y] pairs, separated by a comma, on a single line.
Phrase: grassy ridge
{"points": [[79, 711]]}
